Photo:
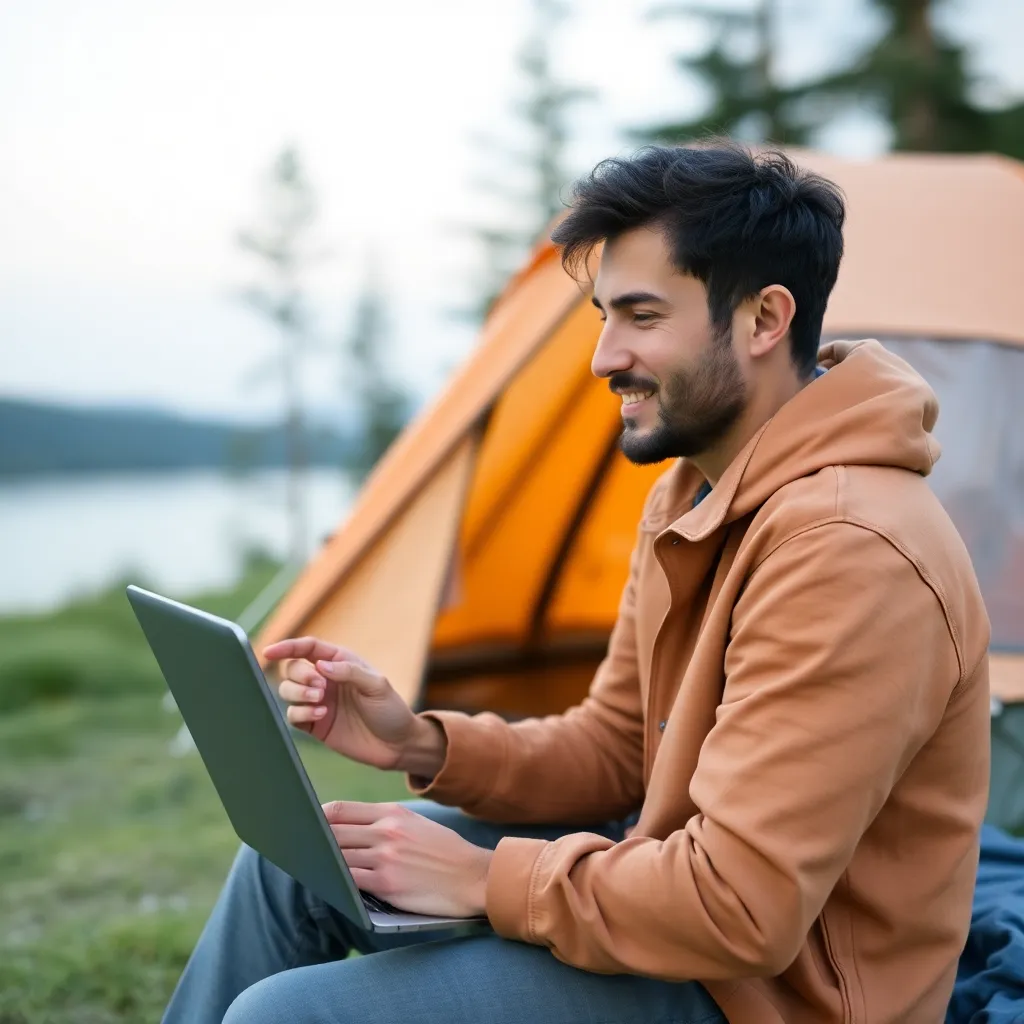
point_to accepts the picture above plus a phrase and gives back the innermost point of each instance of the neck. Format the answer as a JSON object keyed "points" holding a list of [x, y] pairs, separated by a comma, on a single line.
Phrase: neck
{"points": [[760, 409]]}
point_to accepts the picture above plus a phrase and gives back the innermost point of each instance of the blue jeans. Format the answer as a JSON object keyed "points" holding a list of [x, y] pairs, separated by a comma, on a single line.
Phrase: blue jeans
{"points": [[272, 953]]}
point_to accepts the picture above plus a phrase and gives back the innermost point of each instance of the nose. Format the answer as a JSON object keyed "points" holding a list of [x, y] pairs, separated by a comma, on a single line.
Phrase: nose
{"points": [[610, 356]]}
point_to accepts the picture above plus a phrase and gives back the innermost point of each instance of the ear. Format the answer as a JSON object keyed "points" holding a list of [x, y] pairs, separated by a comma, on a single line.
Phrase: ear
{"points": [[774, 310]]}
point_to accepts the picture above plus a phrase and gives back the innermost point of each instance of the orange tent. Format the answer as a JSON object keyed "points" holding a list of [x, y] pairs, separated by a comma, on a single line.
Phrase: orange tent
{"points": [[482, 563]]}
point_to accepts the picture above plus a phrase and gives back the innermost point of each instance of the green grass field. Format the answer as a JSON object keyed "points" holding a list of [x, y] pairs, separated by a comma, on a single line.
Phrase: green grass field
{"points": [[112, 849]]}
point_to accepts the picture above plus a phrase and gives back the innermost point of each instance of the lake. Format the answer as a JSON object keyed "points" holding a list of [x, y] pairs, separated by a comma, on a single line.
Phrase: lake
{"points": [[179, 532]]}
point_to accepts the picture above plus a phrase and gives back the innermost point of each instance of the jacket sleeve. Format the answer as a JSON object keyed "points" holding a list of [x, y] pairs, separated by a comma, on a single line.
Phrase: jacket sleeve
{"points": [[839, 667], [583, 766]]}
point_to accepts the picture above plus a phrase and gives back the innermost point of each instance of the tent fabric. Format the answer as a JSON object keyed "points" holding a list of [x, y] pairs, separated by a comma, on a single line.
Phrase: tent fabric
{"points": [[542, 539], [396, 643], [510, 338], [933, 246]]}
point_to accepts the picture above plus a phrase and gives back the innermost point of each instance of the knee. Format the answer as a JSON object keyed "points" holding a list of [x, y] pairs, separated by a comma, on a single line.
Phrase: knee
{"points": [[262, 1003], [297, 996]]}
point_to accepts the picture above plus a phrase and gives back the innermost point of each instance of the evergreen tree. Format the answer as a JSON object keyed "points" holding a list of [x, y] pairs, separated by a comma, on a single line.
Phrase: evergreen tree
{"points": [[916, 76], [1006, 127], [533, 170], [382, 403], [737, 71], [281, 242], [913, 74]]}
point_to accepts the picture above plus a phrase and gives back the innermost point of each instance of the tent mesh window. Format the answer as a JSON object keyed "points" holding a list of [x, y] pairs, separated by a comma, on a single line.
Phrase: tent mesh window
{"points": [[980, 481], [979, 477]]}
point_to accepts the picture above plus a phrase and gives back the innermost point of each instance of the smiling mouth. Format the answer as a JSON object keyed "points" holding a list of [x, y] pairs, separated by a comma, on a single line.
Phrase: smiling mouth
{"points": [[632, 399]]}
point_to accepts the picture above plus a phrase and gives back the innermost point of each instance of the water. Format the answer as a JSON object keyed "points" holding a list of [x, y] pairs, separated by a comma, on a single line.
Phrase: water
{"points": [[62, 537]]}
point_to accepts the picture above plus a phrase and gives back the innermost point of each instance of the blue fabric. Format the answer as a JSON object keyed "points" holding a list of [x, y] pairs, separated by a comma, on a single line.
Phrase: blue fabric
{"points": [[989, 985], [280, 951], [273, 953]]}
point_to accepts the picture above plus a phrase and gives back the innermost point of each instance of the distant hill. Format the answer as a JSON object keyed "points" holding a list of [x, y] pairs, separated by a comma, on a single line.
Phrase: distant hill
{"points": [[39, 438]]}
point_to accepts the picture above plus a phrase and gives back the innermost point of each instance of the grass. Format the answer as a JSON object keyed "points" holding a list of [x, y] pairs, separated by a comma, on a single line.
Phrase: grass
{"points": [[112, 850]]}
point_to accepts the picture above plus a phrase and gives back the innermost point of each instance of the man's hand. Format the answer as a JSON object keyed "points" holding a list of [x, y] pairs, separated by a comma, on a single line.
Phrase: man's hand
{"points": [[410, 861], [342, 701]]}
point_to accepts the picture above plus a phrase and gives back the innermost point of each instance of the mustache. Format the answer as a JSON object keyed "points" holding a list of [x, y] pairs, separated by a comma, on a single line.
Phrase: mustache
{"points": [[625, 381]]}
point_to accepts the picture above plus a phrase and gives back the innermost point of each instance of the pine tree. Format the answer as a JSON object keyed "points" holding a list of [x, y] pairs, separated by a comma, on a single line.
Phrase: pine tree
{"points": [[913, 74], [917, 77], [382, 403], [533, 173], [281, 242], [737, 71], [1007, 130]]}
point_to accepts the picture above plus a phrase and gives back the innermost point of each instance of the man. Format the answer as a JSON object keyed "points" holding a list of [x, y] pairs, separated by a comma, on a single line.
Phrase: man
{"points": [[794, 699]]}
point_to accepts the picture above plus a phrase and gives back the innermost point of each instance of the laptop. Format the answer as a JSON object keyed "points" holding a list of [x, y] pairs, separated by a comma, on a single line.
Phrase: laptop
{"points": [[246, 744]]}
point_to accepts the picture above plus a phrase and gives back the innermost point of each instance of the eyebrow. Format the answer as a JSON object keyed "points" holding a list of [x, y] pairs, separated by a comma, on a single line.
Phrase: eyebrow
{"points": [[628, 299]]}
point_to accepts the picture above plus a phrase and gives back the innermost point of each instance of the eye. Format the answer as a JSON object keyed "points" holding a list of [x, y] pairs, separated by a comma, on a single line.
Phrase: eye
{"points": [[643, 318]]}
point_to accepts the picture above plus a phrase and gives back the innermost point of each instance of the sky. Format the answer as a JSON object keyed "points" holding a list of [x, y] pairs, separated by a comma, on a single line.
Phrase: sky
{"points": [[134, 136]]}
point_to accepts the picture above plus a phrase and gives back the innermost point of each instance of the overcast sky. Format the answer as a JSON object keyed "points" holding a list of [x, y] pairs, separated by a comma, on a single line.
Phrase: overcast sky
{"points": [[133, 135]]}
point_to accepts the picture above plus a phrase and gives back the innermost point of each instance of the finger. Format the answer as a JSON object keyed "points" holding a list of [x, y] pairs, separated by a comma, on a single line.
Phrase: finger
{"points": [[360, 858], [364, 880], [296, 693], [366, 681], [354, 812], [308, 647], [354, 837], [305, 714], [298, 670]]}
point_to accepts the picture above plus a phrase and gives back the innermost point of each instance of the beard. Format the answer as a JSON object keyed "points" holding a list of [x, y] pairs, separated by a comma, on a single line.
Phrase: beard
{"points": [[696, 408]]}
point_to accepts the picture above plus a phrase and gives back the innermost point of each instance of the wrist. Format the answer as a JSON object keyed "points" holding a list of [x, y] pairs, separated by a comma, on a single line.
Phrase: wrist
{"points": [[425, 753], [476, 895]]}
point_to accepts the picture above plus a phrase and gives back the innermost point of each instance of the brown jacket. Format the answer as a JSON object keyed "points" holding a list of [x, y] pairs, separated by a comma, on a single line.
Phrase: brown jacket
{"points": [[796, 693]]}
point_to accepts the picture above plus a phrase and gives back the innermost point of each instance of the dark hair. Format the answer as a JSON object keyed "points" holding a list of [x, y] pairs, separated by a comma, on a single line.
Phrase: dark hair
{"points": [[736, 220]]}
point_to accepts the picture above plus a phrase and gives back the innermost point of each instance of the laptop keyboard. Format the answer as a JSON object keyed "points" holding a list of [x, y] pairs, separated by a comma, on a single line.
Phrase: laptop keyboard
{"points": [[372, 903]]}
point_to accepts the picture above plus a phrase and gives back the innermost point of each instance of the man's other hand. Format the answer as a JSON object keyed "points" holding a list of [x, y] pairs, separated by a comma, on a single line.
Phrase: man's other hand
{"points": [[410, 861]]}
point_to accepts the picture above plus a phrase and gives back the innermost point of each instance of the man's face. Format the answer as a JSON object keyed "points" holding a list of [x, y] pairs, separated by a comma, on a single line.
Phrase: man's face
{"points": [[681, 385]]}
